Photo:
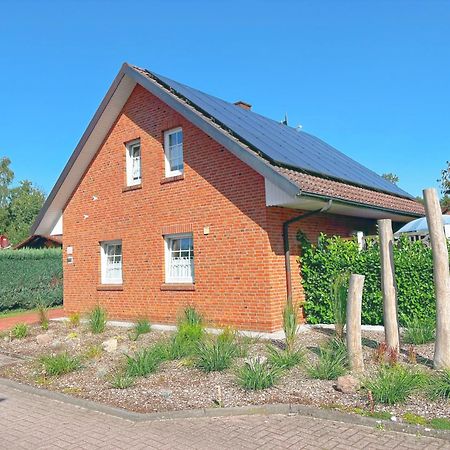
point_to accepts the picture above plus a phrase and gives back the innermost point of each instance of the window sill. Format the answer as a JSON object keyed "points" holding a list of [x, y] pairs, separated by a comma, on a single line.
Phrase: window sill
{"points": [[178, 287], [133, 187], [110, 287], [174, 178]]}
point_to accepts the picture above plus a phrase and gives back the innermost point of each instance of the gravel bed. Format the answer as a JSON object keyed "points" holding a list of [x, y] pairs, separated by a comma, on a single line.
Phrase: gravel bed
{"points": [[177, 385]]}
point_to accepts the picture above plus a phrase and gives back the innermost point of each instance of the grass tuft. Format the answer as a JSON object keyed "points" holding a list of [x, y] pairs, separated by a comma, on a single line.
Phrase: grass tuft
{"points": [[146, 361], [55, 365], [284, 359], [94, 351], [142, 326], [121, 380], [439, 385], [215, 355], [74, 320], [394, 384], [257, 374], [97, 320], [419, 330], [440, 423], [332, 361], [19, 331]]}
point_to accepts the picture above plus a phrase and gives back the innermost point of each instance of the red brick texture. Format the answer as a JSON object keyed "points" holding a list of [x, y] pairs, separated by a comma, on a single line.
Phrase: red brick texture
{"points": [[239, 265]]}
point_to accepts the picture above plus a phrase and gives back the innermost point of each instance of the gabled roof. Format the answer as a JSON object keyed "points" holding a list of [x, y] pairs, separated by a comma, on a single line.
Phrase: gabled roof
{"points": [[296, 162]]}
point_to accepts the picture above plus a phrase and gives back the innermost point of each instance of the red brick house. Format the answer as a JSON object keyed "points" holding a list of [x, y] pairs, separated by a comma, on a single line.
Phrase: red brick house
{"points": [[174, 197]]}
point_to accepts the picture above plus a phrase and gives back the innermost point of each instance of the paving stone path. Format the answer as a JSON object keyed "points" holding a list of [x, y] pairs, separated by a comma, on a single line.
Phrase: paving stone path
{"points": [[29, 421]]}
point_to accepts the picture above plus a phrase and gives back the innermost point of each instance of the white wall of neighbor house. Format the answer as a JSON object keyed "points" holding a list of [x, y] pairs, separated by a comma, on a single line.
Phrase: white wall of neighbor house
{"points": [[58, 226]]}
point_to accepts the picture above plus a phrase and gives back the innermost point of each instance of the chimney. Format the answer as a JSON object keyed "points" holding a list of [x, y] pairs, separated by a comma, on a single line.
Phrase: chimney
{"points": [[243, 105]]}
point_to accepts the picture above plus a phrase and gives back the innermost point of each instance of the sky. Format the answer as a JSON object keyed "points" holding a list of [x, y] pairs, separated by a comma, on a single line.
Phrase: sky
{"points": [[371, 78]]}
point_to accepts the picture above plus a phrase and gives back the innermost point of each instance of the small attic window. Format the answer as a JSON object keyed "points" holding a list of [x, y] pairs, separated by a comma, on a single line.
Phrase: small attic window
{"points": [[173, 151], [133, 157]]}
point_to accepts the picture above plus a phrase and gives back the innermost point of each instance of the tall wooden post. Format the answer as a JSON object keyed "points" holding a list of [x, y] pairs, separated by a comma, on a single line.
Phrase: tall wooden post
{"points": [[441, 278], [388, 287], [354, 301]]}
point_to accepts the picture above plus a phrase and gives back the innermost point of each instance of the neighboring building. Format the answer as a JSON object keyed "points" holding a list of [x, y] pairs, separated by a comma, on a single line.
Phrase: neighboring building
{"points": [[38, 241], [174, 197], [4, 242]]}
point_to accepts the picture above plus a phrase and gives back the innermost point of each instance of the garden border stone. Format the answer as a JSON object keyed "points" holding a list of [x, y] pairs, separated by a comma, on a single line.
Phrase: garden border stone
{"points": [[268, 409]]}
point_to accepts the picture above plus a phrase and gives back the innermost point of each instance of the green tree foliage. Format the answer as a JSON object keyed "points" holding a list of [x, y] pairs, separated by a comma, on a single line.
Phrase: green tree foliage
{"points": [[444, 183], [391, 177], [19, 205], [413, 272]]}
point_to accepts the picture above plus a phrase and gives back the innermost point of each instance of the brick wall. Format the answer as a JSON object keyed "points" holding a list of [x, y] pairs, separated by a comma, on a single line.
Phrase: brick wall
{"points": [[239, 265]]}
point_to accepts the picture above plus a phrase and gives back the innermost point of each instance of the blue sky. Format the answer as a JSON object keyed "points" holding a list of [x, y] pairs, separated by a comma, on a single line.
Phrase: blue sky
{"points": [[371, 78]]}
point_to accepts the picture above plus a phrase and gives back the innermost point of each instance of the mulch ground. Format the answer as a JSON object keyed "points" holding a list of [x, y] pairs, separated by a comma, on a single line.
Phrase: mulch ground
{"points": [[178, 385]]}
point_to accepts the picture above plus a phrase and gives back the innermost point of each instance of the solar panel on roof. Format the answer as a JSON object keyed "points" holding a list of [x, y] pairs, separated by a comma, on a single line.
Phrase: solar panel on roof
{"points": [[284, 144]]}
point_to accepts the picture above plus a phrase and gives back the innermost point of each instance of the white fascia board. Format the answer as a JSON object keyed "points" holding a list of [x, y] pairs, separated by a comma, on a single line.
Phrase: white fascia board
{"points": [[84, 153]]}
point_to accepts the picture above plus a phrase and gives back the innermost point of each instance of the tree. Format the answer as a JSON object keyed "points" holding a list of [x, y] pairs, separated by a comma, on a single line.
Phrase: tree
{"points": [[444, 183], [391, 177], [19, 205], [6, 177]]}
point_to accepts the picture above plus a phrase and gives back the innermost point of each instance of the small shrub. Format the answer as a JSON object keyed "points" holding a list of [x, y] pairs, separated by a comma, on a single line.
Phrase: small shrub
{"points": [[121, 380], [386, 355], [97, 320], [338, 293], [439, 385], [94, 351], [284, 359], [215, 355], [256, 374], [419, 330], [290, 325], [440, 424], [331, 363], [42, 309], [392, 385], [19, 331], [142, 326], [146, 361], [74, 320], [55, 365], [414, 419]]}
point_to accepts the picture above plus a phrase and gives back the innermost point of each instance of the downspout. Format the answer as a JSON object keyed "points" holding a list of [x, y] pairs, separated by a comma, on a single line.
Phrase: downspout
{"points": [[287, 252]]}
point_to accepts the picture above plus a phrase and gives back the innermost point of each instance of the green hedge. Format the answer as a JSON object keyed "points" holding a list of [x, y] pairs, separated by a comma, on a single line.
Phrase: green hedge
{"points": [[413, 273], [29, 275]]}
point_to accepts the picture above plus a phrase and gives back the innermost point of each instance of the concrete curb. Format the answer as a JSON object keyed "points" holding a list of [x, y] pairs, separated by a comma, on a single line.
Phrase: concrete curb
{"points": [[269, 409]]}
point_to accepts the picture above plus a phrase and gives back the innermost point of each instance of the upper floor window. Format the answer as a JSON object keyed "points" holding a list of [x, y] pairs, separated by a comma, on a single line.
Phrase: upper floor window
{"points": [[111, 262], [173, 150], [179, 259], [133, 153]]}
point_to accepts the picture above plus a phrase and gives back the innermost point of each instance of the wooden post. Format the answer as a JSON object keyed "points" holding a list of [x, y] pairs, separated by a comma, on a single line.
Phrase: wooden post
{"points": [[354, 345], [388, 287], [441, 278]]}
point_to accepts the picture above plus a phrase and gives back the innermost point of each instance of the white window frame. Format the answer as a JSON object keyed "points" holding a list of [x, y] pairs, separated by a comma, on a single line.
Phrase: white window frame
{"points": [[130, 147], [168, 259], [168, 171], [104, 261]]}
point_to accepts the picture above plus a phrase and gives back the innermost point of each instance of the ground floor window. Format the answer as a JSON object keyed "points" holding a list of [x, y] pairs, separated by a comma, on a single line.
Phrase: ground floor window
{"points": [[179, 258], [111, 262]]}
